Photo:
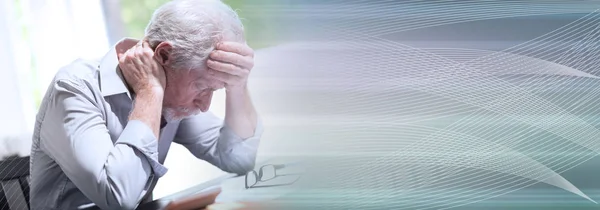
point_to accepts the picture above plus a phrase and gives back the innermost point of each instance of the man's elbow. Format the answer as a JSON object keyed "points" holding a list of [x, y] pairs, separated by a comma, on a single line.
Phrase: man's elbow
{"points": [[129, 201], [129, 204], [123, 202], [120, 198], [239, 164]]}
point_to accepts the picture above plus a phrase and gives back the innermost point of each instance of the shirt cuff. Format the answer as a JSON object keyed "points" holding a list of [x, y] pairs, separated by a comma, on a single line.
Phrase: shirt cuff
{"points": [[139, 136], [230, 138]]}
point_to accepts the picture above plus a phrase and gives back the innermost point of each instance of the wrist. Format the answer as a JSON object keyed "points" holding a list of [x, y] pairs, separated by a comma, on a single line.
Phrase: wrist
{"points": [[151, 91], [242, 89]]}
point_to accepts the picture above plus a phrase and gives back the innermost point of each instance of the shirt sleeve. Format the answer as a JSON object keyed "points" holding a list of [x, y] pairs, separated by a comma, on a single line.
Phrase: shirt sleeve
{"points": [[112, 175], [207, 137]]}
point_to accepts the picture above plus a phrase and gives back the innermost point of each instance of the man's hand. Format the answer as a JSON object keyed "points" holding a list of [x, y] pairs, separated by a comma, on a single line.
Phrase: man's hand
{"points": [[231, 63], [141, 71], [147, 78]]}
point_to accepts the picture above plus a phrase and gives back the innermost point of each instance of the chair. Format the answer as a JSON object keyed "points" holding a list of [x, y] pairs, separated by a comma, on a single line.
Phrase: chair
{"points": [[14, 184]]}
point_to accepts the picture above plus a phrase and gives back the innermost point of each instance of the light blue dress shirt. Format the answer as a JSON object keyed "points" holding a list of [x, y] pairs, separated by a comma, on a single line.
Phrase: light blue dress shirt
{"points": [[86, 151]]}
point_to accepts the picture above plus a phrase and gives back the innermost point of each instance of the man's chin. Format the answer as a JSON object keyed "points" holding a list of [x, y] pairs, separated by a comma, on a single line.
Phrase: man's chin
{"points": [[172, 116], [171, 119]]}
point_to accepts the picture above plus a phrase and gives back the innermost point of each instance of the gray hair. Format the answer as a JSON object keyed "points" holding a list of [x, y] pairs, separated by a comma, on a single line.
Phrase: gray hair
{"points": [[193, 27]]}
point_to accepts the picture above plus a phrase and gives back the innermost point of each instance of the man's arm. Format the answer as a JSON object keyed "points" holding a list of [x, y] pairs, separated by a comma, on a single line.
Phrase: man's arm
{"points": [[113, 176], [231, 146], [240, 114], [147, 109], [231, 63], [208, 138], [147, 78]]}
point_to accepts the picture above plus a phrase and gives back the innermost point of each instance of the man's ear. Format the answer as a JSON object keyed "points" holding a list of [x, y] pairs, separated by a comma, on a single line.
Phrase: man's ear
{"points": [[162, 53]]}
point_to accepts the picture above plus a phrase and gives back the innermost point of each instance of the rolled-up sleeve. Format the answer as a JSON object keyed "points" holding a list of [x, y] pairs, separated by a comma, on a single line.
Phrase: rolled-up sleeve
{"points": [[209, 138], [112, 175], [139, 136]]}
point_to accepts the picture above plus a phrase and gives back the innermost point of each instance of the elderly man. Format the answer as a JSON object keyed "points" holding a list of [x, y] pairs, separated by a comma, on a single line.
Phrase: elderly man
{"points": [[104, 127]]}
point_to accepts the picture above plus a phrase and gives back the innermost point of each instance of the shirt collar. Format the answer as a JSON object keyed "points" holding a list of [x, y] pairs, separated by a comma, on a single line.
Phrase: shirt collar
{"points": [[111, 79]]}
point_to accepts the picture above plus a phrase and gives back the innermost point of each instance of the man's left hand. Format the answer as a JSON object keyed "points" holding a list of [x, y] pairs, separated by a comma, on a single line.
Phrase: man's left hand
{"points": [[231, 63]]}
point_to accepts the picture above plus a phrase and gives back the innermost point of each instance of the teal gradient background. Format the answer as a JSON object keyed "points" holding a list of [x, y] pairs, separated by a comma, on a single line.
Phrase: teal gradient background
{"points": [[439, 104]]}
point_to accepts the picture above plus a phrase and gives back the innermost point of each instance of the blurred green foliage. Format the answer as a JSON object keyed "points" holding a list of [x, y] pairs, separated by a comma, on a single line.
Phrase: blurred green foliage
{"points": [[258, 27]]}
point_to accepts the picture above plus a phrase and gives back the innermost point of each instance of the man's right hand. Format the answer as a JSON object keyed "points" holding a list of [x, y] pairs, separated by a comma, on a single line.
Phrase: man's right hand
{"points": [[147, 79], [141, 71]]}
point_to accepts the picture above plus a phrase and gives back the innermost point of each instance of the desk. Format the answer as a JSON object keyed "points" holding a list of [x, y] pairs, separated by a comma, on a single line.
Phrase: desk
{"points": [[219, 181], [162, 202]]}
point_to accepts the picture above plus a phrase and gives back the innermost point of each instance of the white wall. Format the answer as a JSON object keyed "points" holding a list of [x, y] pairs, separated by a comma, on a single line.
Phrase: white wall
{"points": [[48, 34], [13, 123]]}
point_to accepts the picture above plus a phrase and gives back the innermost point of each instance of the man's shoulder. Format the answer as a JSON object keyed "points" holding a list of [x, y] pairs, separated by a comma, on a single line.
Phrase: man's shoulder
{"points": [[80, 70]]}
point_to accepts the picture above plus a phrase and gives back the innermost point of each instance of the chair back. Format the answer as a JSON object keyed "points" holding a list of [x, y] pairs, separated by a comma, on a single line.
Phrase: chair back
{"points": [[14, 184]]}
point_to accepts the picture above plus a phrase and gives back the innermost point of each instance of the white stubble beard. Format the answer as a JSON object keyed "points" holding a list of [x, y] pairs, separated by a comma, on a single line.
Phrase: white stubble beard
{"points": [[170, 114]]}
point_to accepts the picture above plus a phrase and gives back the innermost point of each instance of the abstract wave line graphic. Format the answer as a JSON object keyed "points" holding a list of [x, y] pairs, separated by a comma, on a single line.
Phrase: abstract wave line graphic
{"points": [[525, 95], [491, 123]]}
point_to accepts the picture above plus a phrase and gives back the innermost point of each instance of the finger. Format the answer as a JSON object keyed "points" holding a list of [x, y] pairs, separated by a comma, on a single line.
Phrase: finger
{"points": [[233, 58], [147, 49], [222, 76], [145, 44], [236, 47], [139, 48], [128, 56], [144, 52], [147, 54], [138, 55], [225, 67], [125, 55], [121, 57], [121, 52]]}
